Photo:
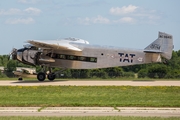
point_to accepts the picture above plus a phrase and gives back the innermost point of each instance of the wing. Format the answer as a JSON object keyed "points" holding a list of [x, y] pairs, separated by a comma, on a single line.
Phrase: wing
{"points": [[61, 45]]}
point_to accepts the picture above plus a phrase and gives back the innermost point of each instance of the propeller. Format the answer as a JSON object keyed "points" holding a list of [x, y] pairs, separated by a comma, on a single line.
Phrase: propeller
{"points": [[13, 54]]}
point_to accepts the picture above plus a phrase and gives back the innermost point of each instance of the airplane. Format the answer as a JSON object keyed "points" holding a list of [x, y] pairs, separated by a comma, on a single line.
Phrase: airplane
{"points": [[77, 53], [25, 72]]}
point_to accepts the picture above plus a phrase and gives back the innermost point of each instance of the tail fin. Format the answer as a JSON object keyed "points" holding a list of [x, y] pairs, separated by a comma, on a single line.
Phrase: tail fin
{"points": [[163, 45]]}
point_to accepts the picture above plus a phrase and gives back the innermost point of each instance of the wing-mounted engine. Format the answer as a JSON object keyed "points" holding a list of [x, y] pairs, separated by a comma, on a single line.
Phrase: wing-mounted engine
{"points": [[42, 58]]}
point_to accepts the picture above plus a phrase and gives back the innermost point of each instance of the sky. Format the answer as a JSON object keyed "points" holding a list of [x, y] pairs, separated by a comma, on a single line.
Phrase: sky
{"points": [[120, 23]]}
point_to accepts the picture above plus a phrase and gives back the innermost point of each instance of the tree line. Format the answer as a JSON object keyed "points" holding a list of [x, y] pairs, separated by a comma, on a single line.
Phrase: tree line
{"points": [[167, 69]]}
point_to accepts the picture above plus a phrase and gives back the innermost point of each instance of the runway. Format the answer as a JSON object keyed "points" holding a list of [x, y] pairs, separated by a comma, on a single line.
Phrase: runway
{"points": [[89, 83], [90, 111]]}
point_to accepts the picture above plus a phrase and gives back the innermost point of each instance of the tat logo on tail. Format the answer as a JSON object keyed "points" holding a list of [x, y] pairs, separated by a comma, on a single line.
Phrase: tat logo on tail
{"points": [[155, 46]]}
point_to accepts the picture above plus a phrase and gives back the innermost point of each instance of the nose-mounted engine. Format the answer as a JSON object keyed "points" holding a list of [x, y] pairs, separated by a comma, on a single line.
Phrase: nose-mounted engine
{"points": [[31, 55], [27, 55]]}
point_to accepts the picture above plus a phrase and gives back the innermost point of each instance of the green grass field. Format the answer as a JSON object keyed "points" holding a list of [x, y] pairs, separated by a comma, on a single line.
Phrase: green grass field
{"points": [[49, 96], [88, 118]]}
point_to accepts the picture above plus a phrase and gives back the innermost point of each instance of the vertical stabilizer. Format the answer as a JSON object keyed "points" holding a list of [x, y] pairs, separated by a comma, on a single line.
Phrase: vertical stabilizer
{"points": [[163, 45]]}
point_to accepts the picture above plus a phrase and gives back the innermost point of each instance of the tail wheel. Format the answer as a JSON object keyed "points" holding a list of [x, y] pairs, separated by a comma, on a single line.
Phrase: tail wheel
{"points": [[51, 76], [41, 76], [20, 79]]}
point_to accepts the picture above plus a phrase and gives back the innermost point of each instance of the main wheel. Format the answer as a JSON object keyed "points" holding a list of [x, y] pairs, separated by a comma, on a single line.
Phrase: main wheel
{"points": [[51, 76], [41, 76]]}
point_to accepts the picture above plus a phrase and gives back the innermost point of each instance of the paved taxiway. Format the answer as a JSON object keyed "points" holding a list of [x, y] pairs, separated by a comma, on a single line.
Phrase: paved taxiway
{"points": [[90, 111], [90, 83]]}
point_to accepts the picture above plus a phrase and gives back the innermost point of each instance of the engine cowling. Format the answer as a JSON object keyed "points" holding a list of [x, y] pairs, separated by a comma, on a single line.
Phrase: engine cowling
{"points": [[40, 58], [31, 56]]}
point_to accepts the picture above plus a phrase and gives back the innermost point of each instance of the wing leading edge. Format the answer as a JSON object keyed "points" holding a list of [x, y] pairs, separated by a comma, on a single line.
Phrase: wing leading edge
{"points": [[61, 45]]}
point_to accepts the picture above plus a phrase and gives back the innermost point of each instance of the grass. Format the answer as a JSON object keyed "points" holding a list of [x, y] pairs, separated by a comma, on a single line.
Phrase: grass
{"points": [[114, 96], [88, 118]]}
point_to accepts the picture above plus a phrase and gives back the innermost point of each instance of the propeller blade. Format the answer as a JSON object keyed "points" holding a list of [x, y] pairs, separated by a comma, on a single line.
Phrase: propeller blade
{"points": [[13, 54]]}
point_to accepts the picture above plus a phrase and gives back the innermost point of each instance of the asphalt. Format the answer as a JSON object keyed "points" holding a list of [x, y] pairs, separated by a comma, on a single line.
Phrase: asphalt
{"points": [[90, 111], [90, 83]]}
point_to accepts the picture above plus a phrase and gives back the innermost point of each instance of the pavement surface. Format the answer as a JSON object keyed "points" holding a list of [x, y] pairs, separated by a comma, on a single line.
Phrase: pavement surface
{"points": [[90, 111], [90, 83]]}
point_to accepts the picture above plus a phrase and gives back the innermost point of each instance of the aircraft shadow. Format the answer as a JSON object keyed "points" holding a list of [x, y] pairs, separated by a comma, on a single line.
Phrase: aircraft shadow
{"points": [[36, 81], [143, 80]]}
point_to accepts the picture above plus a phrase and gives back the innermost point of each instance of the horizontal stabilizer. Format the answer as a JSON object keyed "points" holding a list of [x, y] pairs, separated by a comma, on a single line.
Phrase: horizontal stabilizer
{"points": [[152, 51]]}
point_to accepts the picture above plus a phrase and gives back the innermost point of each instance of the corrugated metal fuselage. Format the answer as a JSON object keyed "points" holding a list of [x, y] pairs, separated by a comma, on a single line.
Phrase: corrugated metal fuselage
{"points": [[102, 57]]}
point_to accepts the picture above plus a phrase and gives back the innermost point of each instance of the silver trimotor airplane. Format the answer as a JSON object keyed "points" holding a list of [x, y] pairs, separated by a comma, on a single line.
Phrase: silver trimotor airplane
{"points": [[79, 54]]}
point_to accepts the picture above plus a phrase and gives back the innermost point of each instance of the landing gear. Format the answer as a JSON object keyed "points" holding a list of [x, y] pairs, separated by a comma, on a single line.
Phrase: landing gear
{"points": [[20, 78], [51, 76], [41, 76]]}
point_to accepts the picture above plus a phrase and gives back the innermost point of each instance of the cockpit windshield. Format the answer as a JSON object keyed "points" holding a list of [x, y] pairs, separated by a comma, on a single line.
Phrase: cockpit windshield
{"points": [[77, 40], [72, 39], [31, 47], [21, 50]]}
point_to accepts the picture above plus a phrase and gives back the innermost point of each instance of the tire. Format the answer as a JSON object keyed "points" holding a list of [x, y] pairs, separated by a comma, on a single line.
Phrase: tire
{"points": [[20, 79], [41, 76], [51, 76]]}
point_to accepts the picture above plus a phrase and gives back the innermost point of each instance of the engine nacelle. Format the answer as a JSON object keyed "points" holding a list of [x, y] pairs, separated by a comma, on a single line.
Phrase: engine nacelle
{"points": [[42, 59]]}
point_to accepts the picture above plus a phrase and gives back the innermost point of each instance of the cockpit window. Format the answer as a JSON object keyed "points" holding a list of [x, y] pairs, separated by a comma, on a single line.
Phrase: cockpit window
{"points": [[72, 39], [22, 49], [33, 48]]}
